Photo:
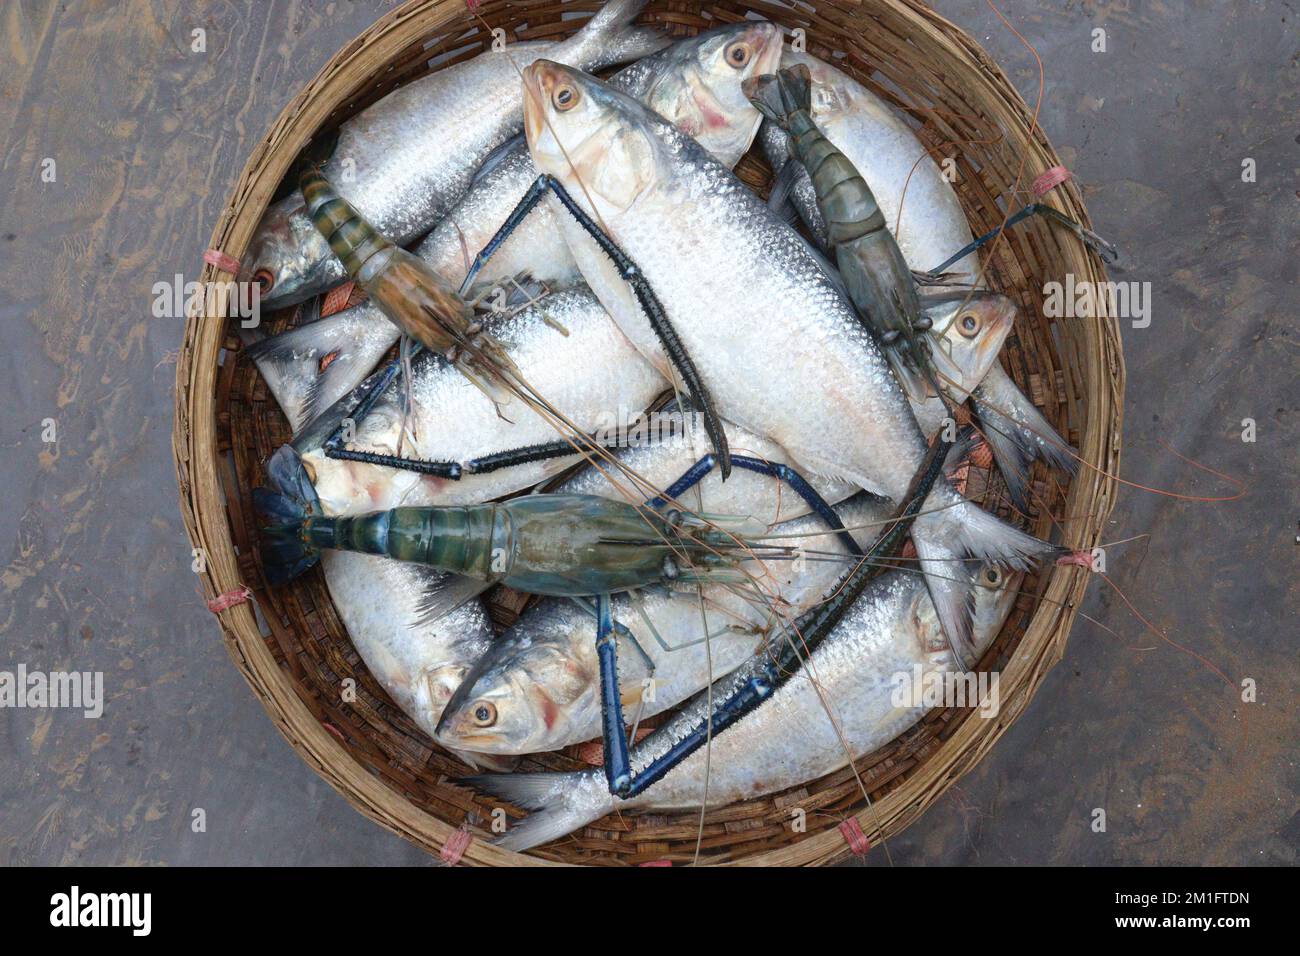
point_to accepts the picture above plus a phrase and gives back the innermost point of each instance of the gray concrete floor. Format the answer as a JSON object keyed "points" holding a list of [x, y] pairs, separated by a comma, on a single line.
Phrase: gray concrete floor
{"points": [[149, 137]]}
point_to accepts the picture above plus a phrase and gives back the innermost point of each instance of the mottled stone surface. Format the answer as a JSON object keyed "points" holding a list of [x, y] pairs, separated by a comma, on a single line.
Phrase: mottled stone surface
{"points": [[148, 137]]}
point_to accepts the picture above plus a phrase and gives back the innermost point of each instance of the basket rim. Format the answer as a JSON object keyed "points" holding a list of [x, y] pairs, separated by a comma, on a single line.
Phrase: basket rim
{"points": [[203, 506]]}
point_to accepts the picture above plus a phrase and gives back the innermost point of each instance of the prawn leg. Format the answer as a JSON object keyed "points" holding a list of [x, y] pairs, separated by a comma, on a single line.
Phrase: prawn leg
{"points": [[455, 470], [645, 296], [781, 472], [1108, 252], [618, 768], [753, 683]]}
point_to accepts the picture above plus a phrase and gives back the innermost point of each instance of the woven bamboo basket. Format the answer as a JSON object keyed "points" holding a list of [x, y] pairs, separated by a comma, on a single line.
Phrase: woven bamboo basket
{"points": [[289, 642]]}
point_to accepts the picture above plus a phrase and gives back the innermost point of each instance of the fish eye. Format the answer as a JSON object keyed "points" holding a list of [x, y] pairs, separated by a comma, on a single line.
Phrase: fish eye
{"points": [[968, 325], [992, 577], [565, 98], [485, 714], [739, 54], [264, 278]]}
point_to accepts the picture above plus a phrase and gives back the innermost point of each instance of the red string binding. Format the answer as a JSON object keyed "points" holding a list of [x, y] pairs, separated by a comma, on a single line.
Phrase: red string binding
{"points": [[215, 257], [455, 847], [854, 837], [1078, 559], [228, 600], [1049, 180]]}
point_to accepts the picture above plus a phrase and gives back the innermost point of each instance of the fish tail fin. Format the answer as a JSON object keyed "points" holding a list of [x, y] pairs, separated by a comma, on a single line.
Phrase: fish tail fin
{"points": [[311, 367], [610, 37], [287, 504], [989, 538], [946, 539], [1043, 441], [1011, 455], [559, 803], [779, 96], [952, 593]]}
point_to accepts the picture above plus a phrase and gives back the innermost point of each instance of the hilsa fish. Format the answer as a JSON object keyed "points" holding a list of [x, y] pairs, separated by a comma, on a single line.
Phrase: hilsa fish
{"points": [[407, 160], [552, 342], [968, 330], [783, 353], [844, 705], [695, 83]]}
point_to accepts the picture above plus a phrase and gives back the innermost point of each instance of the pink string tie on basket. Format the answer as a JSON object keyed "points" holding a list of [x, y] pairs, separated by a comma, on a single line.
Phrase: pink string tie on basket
{"points": [[217, 258], [1077, 559], [851, 829], [224, 602], [1049, 180], [455, 847]]}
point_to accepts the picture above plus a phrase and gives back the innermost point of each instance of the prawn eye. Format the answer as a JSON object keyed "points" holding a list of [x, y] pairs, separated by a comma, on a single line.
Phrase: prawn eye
{"points": [[968, 325], [739, 54], [992, 577], [264, 278], [485, 714], [565, 98]]}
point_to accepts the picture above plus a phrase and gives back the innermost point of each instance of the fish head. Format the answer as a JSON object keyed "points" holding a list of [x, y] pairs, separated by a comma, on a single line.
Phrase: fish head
{"points": [[995, 592], [700, 93], [967, 334], [435, 690], [596, 141], [288, 257], [525, 693]]}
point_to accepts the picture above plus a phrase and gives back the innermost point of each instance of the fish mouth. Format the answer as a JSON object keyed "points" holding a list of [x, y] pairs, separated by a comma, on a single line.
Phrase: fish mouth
{"points": [[769, 41], [448, 737]]}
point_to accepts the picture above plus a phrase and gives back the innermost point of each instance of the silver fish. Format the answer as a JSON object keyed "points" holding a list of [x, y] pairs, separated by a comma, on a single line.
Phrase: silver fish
{"points": [[890, 636], [695, 83], [553, 343], [783, 353], [885, 151], [405, 161], [418, 630], [969, 330], [419, 657]]}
